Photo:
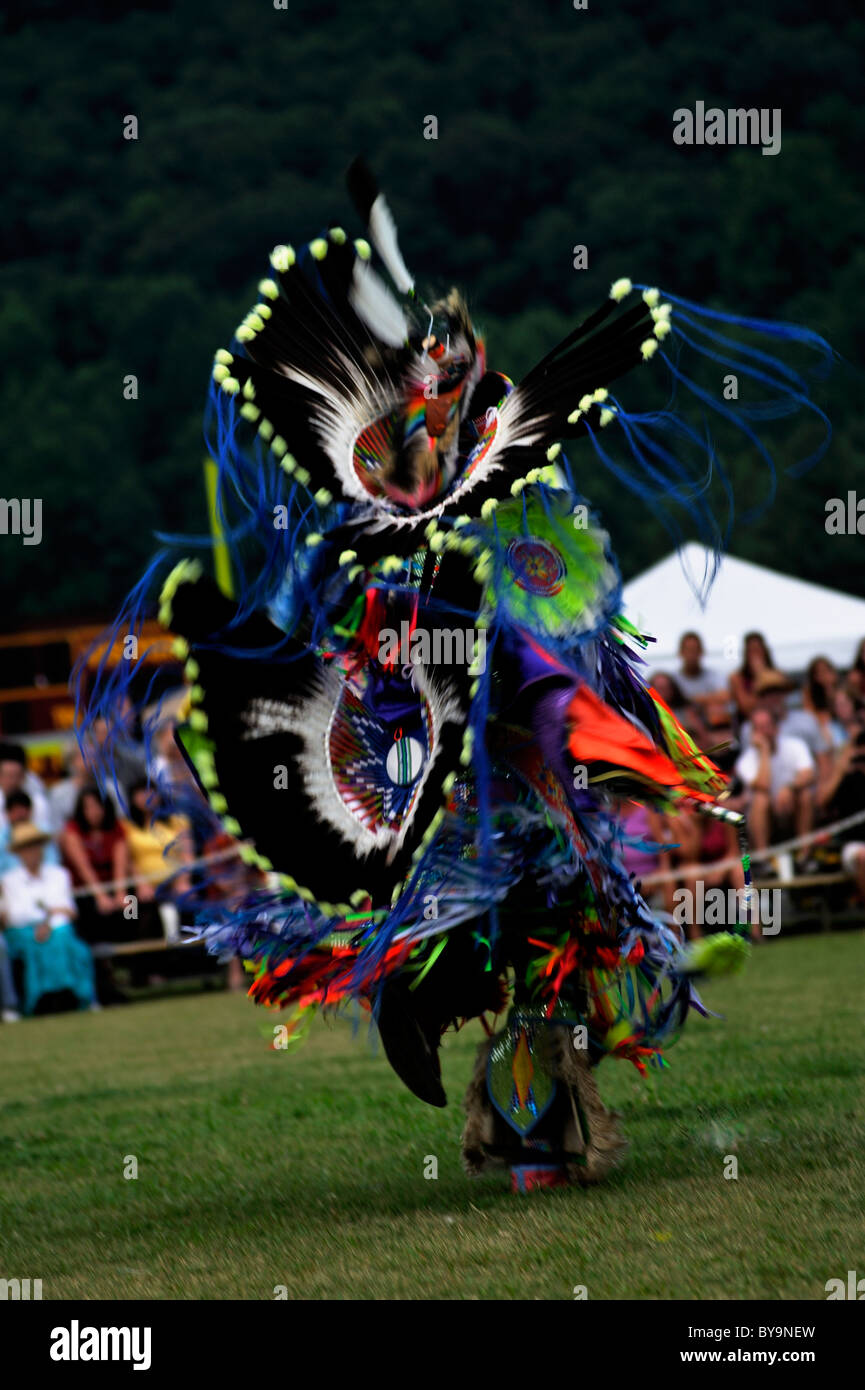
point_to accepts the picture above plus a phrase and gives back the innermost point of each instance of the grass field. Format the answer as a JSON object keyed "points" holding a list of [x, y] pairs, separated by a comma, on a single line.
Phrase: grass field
{"points": [[259, 1168]]}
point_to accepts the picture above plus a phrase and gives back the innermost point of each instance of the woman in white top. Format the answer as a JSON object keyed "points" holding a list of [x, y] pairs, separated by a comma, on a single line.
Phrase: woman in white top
{"points": [[38, 911]]}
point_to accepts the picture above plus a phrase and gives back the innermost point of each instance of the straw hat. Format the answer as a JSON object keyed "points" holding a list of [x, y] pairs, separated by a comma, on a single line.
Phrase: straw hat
{"points": [[769, 681], [25, 834]]}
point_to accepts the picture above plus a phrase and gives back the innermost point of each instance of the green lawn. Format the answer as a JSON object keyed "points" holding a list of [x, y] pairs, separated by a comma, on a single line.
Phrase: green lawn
{"points": [[261, 1168]]}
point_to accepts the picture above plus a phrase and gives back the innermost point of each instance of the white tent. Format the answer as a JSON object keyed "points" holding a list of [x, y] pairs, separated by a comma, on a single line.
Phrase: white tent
{"points": [[798, 620]]}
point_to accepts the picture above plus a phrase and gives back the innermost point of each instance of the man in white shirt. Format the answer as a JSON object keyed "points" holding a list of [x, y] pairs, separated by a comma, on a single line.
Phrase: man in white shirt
{"points": [[779, 774], [43, 895], [38, 910]]}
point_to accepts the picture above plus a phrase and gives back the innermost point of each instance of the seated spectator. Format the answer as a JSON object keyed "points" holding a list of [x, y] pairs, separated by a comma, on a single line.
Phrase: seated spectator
{"points": [[94, 849], [756, 659], [848, 717], [64, 794], [779, 776], [687, 714], [821, 683], [855, 681], [719, 737], [19, 811], [159, 844], [842, 795], [813, 721], [670, 691], [701, 842], [116, 756], [14, 777], [38, 912], [168, 768], [771, 690], [696, 681], [818, 698]]}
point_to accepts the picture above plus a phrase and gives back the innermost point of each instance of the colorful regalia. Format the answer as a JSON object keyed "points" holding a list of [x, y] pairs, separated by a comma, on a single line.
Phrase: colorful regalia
{"points": [[415, 700]]}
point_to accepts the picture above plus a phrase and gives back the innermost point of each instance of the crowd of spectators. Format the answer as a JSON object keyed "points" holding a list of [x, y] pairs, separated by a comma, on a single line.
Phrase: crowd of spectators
{"points": [[88, 865], [795, 756]]}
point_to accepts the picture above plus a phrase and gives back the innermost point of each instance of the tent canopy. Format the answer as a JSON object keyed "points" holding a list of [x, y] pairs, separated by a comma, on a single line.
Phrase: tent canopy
{"points": [[798, 620]]}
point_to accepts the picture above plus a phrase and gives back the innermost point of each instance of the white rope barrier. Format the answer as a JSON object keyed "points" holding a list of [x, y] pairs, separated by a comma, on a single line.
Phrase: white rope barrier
{"points": [[783, 847], [649, 880], [118, 885]]}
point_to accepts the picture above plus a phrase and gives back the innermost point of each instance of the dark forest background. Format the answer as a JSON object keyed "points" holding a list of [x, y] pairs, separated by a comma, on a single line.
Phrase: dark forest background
{"points": [[555, 128]]}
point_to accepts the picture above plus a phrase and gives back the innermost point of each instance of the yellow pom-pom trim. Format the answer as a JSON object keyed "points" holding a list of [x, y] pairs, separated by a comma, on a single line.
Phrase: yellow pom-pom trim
{"points": [[269, 288], [318, 248], [231, 385], [220, 372], [651, 297], [620, 288], [186, 572], [250, 412], [649, 348], [554, 451], [466, 753], [363, 249], [222, 356], [282, 257], [347, 556], [323, 498], [338, 235]]}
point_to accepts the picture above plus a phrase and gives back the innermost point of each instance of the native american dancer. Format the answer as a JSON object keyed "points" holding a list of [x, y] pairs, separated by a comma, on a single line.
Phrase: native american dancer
{"points": [[416, 702]]}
